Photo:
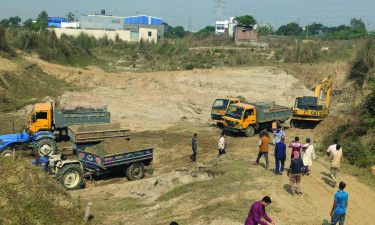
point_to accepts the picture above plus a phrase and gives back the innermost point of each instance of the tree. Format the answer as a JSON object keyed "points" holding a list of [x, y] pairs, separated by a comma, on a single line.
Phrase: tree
{"points": [[42, 20], [28, 24], [246, 20], [290, 29], [205, 31], [4, 23], [315, 28], [265, 29], [15, 21], [70, 16], [357, 24]]}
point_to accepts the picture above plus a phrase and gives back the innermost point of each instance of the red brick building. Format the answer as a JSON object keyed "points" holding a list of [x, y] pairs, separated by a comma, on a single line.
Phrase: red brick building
{"points": [[245, 34]]}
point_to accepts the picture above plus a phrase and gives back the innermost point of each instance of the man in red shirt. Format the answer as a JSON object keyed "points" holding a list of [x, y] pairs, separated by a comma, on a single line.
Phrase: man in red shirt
{"points": [[296, 146]]}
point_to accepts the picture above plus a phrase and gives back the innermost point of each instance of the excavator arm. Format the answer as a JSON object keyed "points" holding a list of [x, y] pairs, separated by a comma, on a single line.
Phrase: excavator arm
{"points": [[325, 85]]}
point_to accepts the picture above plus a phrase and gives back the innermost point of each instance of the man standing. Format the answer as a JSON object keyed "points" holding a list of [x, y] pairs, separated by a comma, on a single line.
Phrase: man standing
{"points": [[274, 132], [296, 147], [257, 211], [294, 173], [194, 147], [335, 164], [308, 155], [280, 156], [340, 204], [332, 148], [263, 147], [279, 134], [222, 144]]}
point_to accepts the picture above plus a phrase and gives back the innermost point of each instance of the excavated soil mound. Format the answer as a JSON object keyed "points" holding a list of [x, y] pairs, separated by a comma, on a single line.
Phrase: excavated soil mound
{"points": [[115, 146]]}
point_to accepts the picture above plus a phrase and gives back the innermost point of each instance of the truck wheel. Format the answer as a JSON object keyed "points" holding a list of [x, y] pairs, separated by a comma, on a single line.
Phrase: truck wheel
{"points": [[46, 147], [6, 153], [70, 176], [135, 171], [250, 131]]}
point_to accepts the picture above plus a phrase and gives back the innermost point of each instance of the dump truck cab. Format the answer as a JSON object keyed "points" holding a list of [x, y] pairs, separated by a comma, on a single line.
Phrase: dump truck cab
{"points": [[239, 116], [220, 106], [40, 117]]}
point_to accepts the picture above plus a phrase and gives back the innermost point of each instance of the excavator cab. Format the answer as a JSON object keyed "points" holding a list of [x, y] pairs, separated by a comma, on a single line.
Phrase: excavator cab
{"points": [[307, 103]]}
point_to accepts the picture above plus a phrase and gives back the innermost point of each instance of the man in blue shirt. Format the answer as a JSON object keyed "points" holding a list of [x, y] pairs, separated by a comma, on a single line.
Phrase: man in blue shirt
{"points": [[339, 205], [280, 156]]}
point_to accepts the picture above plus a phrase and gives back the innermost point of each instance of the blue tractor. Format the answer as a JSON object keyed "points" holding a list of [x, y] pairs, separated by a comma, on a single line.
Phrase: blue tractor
{"points": [[41, 141]]}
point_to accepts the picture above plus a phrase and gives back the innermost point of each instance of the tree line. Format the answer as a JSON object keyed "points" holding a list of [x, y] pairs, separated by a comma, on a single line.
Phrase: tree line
{"points": [[355, 30]]}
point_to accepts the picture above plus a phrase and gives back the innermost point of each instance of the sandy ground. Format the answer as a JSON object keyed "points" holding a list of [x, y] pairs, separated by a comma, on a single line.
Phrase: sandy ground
{"points": [[165, 108]]}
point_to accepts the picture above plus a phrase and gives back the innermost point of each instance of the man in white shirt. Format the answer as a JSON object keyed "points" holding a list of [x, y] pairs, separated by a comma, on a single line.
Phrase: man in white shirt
{"points": [[222, 144], [331, 149]]}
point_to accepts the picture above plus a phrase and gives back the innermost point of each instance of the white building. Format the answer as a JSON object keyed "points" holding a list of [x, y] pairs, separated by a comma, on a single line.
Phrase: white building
{"points": [[225, 26], [221, 27]]}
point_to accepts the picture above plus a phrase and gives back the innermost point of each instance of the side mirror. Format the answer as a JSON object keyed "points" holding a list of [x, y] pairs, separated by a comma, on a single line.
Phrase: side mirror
{"points": [[33, 118]]}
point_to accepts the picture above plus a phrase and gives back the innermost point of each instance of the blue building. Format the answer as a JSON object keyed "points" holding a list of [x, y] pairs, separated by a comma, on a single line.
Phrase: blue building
{"points": [[145, 20], [55, 21]]}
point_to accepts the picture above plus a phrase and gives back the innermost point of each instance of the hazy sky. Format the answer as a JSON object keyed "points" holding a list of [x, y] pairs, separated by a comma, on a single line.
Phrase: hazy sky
{"points": [[201, 13]]}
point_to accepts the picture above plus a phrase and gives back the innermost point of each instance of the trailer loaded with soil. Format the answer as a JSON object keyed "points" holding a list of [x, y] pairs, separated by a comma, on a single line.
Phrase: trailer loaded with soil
{"points": [[113, 155]]}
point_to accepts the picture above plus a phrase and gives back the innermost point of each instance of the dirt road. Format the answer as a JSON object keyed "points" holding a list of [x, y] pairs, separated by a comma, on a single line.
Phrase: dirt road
{"points": [[164, 109]]}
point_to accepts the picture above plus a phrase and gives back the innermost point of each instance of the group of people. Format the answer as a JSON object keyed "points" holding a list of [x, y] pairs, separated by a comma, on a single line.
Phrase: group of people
{"points": [[302, 156]]}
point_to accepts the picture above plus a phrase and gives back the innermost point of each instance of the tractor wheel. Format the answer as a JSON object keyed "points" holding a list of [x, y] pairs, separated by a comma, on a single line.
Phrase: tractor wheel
{"points": [[135, 171], [250, 131], [7, 153], [70, 176], [46, 147]]}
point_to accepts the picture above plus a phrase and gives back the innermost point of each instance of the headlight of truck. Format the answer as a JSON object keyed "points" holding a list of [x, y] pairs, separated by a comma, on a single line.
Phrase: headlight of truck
{"points": [[239, 127]]}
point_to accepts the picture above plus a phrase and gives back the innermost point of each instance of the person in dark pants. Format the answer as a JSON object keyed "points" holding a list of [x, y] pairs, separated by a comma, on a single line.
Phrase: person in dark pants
{"points": [[194, 147], [340, 204], [221, 144], [280, 156], [294, 173], [263, 147]]}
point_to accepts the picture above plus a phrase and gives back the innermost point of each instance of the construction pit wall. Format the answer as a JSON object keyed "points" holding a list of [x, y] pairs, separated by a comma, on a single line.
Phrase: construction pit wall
{"points": [[147, 34]]}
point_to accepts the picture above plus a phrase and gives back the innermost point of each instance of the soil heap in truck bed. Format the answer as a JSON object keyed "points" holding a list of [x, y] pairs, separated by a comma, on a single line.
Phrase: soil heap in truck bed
{"points": [[115, 146]]}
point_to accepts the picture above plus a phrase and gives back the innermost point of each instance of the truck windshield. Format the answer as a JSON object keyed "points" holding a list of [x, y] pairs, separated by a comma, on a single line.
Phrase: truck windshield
{"points": [[234, 112], [220, 104]]}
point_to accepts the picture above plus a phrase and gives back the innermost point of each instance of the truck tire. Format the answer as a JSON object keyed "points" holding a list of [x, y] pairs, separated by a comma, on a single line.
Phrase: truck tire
{"points": [[250, 131], [46, 147], [70, 176], [135, 171], [6, 153]]}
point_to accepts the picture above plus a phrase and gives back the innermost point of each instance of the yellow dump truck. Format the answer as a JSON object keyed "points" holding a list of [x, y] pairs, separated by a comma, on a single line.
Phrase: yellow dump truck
{"points": [[248, 117], [220, 106], [51, 117], [308, 111]]}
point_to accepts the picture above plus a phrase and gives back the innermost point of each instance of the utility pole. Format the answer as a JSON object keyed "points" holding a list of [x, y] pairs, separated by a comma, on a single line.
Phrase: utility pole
{"points": [[307, 29], [219, 11]]}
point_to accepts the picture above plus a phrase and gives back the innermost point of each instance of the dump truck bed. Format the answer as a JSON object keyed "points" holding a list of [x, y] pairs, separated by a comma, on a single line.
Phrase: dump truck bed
{"points": [[63, 117], [96, 161], [89, 133], [269, 111]]}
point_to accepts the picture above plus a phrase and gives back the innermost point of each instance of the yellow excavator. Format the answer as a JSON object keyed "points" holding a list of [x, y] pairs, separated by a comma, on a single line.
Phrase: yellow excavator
{"points": [[309, 111]]}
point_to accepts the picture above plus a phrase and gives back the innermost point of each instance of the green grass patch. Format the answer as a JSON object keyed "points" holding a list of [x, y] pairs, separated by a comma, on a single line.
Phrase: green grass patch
{"points": [[29, 196], [28, 84]]}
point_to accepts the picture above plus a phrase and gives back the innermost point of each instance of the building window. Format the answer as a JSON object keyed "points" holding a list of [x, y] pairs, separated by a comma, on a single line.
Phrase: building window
{"points": [[149, 33]]}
